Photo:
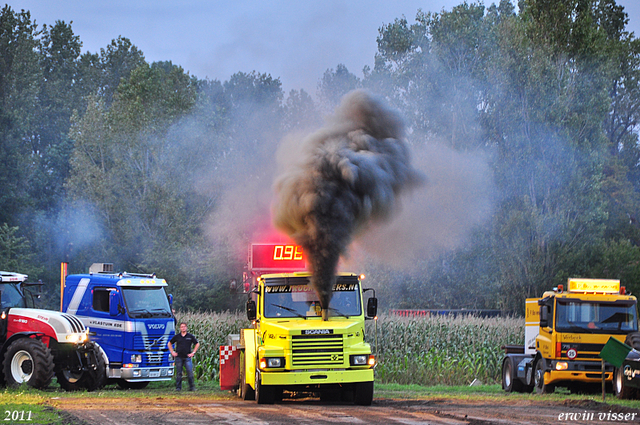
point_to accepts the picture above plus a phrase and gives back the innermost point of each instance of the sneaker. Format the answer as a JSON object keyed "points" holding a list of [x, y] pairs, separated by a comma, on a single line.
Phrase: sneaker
{"points": [[192, 389]]}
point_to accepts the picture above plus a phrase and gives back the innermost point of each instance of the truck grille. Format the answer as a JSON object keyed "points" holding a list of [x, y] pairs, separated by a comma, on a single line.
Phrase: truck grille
{"points": [[317, 350], [150, 342], [155, 358]]}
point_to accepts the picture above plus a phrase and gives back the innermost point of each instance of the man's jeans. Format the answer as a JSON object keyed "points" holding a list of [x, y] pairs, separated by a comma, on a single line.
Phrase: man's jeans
{"points": [[188, 364]]}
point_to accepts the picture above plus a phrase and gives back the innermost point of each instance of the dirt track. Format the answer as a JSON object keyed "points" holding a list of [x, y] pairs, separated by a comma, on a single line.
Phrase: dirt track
{"points": [[203, 409]]}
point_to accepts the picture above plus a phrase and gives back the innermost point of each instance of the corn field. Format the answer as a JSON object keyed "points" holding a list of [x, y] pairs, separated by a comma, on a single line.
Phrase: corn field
{"points": [[426, 350]]}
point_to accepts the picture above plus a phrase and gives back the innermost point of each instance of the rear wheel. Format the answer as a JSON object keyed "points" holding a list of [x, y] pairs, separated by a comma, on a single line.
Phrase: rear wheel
{"points": [[509, 380], [538, 379], [28, 361], [246, 392], [363, 393]]}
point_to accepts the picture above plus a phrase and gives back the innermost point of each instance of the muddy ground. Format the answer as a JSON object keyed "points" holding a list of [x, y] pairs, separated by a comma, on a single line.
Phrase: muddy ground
{"points": [[205, 409]]}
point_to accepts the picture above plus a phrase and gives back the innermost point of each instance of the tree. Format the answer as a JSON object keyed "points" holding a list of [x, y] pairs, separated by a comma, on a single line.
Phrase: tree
{"points": [[20, 77]]}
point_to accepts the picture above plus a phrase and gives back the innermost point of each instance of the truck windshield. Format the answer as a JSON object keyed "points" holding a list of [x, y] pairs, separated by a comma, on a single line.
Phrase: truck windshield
{"points": [[301, 300], [11, 296], [146, 302], [596, 317]]}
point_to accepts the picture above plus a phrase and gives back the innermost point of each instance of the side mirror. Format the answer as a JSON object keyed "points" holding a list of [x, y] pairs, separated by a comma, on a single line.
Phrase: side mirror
{"points": [[114, 304], [372, 307], [544, 316], [252, 310], [170, 297]]}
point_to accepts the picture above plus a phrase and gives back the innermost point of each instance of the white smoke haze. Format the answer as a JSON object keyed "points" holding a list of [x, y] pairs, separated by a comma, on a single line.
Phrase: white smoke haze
{"points": [[436, 217], [347, 175]]}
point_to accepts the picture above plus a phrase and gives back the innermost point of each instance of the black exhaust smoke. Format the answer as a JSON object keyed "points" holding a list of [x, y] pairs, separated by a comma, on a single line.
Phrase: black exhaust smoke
{"points": [[346, 175]]}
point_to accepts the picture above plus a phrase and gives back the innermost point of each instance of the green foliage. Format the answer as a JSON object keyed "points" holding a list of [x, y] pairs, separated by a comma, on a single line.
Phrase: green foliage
{"points": [[107, 157], [437, 350]]}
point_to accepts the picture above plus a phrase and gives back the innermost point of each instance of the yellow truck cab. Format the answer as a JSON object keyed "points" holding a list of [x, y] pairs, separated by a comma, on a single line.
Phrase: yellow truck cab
{"points": [[290, 347], [564, 334]]}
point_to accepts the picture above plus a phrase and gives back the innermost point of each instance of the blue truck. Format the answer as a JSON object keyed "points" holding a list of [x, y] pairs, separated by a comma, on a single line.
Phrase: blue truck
{"points": [[129, 317]]}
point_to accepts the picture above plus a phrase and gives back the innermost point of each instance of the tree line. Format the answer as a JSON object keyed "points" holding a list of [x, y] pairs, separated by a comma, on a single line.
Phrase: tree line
{"points": [[109, 158]]}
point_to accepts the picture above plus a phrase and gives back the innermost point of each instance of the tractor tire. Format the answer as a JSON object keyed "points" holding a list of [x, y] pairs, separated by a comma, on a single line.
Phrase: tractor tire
{"points": [[28, 361], [96, 378], [538, 379], [363, 393], [136, 385], [76, 380]]}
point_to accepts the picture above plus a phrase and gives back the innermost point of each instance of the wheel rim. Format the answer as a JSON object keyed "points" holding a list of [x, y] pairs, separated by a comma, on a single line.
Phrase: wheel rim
{"points": [[22, 366], [72, 377], [618, 382], [507, 376], [539, 378]]}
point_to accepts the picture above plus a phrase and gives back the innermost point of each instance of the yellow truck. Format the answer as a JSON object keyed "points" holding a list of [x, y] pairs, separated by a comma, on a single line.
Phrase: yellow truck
{"points": [[290, 348], [564, 334]]}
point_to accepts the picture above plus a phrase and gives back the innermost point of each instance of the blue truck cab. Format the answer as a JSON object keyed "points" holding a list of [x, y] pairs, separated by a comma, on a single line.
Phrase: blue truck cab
{"points": [[129, 317]]}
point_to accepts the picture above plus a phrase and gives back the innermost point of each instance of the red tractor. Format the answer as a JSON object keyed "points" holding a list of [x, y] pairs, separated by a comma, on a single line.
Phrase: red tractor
{"points": [[37, 344]]}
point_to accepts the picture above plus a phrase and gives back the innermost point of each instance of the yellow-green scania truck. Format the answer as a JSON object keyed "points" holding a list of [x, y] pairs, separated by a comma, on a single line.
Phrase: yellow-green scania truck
{"points": [[289, 347]]}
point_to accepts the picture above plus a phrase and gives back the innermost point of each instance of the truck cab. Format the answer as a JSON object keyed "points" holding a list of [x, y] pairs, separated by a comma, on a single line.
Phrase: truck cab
{"points": [[565, 335], [291, 347], [131, 319]]}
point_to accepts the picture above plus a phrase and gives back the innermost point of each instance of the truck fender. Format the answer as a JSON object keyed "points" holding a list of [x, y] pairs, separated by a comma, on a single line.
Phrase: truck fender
{"points": [[102, 353]]}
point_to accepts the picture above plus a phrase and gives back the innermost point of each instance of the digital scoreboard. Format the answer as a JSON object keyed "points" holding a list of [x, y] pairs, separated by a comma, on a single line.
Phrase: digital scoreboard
{"points": [[276, 257]]}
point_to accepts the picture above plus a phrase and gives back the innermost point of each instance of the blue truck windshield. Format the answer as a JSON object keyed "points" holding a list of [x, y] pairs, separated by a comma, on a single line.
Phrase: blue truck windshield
{"points": [[595, 317], [11, 296], [146, 302], [288, 301]]}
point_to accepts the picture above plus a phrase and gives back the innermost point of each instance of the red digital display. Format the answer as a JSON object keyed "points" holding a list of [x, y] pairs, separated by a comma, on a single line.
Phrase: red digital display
{"points": [[276, 257]]}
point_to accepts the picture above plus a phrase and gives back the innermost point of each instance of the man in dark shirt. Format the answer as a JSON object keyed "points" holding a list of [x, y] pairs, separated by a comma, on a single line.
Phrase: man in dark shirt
{"points": [[183, 354]]}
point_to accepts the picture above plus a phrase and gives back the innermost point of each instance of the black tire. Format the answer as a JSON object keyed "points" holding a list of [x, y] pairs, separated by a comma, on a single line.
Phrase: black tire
{"points": [[509, 380], [28, 361], [620, 390], [538, 379], [91, 379], [136, 385], [264, 394], [633, 340], [246, 392], [69, 380], [363, 393]]}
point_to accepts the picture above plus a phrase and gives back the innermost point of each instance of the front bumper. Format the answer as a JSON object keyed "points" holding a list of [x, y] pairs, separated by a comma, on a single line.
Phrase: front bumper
{"points": [[164, 373], [579, 371], [316, 377]]}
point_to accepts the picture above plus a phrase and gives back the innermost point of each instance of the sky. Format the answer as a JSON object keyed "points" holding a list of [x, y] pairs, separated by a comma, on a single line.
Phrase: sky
{"points": [[294, 40]]}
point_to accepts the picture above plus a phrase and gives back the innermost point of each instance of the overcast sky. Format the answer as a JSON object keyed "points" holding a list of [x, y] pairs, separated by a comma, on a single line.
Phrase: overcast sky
{"points": [[294, 40]]}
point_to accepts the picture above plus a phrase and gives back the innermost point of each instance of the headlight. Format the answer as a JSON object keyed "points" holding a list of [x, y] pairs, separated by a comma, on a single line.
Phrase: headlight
{"points": [[77, 338], [362, 360], [359, 360], [562, 366], [271, 362], [136, 358]]}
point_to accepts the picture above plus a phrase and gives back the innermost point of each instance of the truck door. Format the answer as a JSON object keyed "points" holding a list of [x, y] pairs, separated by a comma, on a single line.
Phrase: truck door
{"points": [[109, 329]]}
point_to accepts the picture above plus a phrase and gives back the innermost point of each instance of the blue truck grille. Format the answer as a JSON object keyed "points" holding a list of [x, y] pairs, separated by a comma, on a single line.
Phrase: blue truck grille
{"points": [[154, 358], [150, 342], [317, 350]]}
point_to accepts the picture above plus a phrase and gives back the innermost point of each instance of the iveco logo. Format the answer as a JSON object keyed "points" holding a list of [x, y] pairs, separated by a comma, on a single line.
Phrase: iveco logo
{"points": [[155, 325]]}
